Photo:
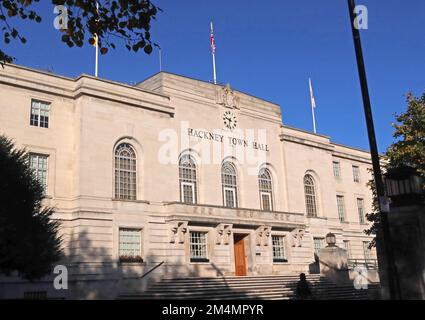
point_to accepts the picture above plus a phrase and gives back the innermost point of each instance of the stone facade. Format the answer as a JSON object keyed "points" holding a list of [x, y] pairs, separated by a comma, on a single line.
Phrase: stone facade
{"points": [[163, 118]]}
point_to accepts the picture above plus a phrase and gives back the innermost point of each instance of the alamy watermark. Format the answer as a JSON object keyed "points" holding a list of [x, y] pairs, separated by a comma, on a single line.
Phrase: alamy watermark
{"points": [[61, 20], [361, 22], [60, 282], [247, 146]]}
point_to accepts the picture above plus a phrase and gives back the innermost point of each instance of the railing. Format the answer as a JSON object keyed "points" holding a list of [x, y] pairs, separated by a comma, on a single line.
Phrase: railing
{"points": [[369, 264], [157, 266]]}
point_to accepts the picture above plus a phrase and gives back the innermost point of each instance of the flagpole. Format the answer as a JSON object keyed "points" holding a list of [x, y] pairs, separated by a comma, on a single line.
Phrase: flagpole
{"points": [[215, 75], [313, 105], [213, 53], [96, 68], [160, 60]]}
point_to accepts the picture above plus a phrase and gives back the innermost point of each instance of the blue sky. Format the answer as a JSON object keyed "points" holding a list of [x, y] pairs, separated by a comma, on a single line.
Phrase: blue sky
{"points": [[269, 49]]}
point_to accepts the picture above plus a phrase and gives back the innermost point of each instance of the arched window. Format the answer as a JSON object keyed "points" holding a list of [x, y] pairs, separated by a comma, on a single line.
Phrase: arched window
{"points": [[230, 188], [125, 172], [187, 176], [310, 196], [265, 187]]}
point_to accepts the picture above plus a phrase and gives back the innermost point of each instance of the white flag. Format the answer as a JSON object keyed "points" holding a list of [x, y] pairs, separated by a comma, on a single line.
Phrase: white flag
{"points": [[313, 101]]}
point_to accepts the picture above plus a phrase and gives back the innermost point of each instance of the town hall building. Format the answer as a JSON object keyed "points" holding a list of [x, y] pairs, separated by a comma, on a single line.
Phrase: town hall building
{"points": [[177, 177]]}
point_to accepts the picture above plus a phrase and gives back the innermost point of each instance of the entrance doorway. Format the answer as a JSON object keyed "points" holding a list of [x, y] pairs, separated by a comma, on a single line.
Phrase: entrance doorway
{"points": [[240, 259]]}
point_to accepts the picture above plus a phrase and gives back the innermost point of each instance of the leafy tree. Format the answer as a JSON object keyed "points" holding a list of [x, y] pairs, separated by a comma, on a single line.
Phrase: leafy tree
{"points": [[126, 20], [408, 150], [28, 236]]}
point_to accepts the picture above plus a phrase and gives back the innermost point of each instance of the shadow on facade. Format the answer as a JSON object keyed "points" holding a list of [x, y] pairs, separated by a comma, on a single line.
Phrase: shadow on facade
{"points": [[94, 273]]}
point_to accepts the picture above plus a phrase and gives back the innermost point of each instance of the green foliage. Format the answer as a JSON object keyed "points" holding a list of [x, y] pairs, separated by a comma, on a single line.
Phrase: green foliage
{"points": [[407, 150], [28, 236], [126, 20], [410, 130]]}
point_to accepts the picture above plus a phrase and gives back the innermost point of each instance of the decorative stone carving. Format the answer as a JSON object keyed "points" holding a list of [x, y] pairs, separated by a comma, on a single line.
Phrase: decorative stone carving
{"points": [[263, 235], [178, 231], [226, 97], [223, 233], [297, 236], [173, 231]]}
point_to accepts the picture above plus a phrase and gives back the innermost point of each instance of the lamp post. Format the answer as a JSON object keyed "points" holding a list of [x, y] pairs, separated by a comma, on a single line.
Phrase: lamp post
{"points": [[380, 191], [404, 187]]}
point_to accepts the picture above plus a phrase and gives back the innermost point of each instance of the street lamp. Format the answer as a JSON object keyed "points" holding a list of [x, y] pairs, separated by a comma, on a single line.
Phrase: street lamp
{"points": [[379, 184], [404, 186], [331, 239]]}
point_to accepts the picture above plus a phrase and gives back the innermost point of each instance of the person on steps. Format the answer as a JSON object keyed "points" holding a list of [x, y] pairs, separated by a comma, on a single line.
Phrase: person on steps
{"points": [[303, 291]]}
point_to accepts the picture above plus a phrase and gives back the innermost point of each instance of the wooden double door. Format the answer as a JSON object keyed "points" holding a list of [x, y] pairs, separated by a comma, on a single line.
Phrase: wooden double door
{"points": [[240, 257]]}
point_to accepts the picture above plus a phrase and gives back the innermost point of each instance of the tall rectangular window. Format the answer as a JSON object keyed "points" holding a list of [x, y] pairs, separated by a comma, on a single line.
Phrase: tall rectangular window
{"points": [[347, 247], [360, 210], [266, 201], [366, 250], [188, 192], [130, 244], [40, 112], [341, 208], [278, 249], [38, 163], [229, 197], [356, 174], [198, 247], [319, 243], [337, 169]]}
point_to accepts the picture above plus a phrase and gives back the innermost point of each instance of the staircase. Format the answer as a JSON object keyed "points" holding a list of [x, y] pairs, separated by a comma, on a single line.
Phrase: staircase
{"points": [[275, 287]]}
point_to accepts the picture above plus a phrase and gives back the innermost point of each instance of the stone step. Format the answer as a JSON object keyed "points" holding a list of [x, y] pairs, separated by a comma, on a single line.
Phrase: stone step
{"points": [[330, 293], [229, 278], [278, 287], [196, 286]]}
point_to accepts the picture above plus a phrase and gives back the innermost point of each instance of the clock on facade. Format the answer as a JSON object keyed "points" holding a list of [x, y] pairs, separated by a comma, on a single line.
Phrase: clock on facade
{"points": [[229, 120]]}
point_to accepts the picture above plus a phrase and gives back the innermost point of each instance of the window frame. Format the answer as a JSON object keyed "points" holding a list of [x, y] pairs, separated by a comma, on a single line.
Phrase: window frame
{"points": [[268, 194], [336, 166], [188, 180], [356, 174], [133, 175], [130, 258], [36, 170], [182, 194], [232, 189], [282, 246], [342, 215], [361, 216], [38, 114], [199, 259], [228, 186], [265, 186], [312, 196]]}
